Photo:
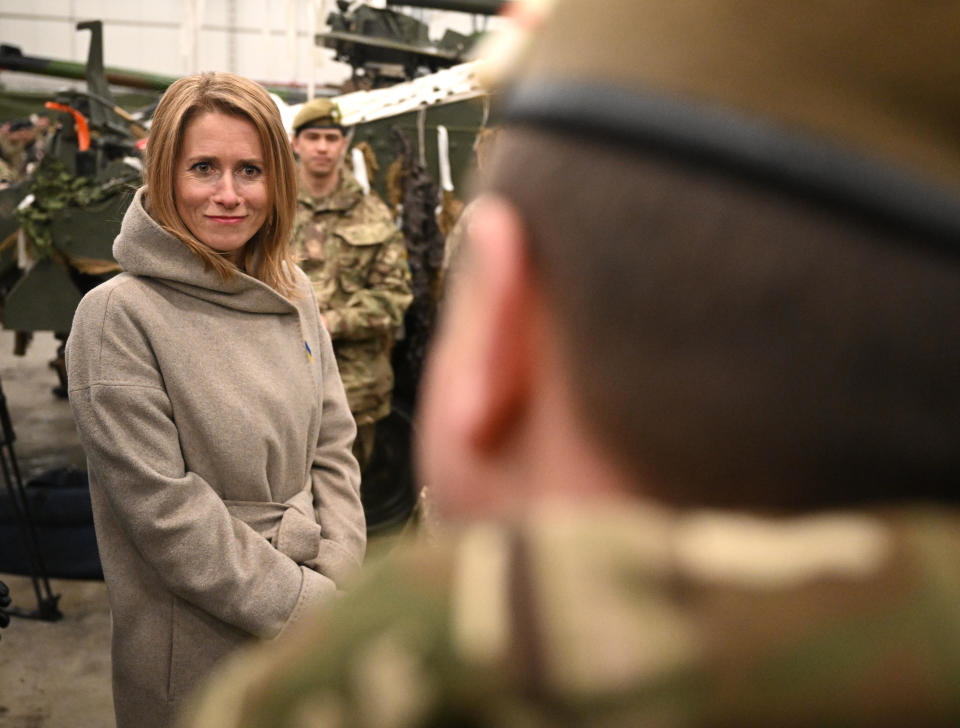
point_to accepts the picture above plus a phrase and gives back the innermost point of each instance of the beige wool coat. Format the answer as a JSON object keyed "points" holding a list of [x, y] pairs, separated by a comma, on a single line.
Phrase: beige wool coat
{"points": [[225, 496]]}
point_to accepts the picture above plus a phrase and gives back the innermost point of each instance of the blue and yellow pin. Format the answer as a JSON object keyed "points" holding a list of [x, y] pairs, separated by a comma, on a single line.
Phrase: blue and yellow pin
{"points": [[309, 353]]}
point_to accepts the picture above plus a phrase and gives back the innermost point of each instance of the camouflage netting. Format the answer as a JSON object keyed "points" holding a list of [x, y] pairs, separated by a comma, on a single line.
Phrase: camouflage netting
{"points": [[55, 189]]}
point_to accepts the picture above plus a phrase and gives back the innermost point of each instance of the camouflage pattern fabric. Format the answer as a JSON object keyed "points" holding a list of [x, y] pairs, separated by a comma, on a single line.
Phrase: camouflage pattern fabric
{"points": [[12, 157], [629, 617], [20, 157], [56, 190], [349, 246], [7, 174]]}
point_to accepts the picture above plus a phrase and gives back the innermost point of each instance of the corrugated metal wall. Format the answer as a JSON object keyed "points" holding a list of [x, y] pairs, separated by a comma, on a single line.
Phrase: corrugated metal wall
{"points": [[269, 40]]}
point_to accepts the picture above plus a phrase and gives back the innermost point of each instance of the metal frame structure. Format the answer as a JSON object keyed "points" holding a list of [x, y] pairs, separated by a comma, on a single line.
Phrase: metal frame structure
{"points": [[47, 602]]}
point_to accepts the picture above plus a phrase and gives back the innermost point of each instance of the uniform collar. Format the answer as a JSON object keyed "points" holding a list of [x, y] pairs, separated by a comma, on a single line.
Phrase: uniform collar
{"points": [[346, 195]]}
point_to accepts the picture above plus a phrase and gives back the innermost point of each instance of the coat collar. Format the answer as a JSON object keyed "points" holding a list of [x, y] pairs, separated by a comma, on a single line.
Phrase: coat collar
{"points": [[144, 248]]}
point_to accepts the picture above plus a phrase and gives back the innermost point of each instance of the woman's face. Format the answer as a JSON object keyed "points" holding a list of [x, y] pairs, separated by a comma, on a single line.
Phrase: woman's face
{"points": [[221, 186]]}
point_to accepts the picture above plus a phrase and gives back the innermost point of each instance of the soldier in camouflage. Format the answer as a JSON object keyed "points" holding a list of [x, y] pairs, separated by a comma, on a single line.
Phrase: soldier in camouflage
{"points": [[8, 174], [629, 617], [349, 246], [22, 145], [691, 416], [11, 155]]}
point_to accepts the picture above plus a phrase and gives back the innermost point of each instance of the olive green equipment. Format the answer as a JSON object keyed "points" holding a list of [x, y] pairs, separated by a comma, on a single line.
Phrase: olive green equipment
{"points": [[414, 108], [417, 142], [385, 46], [12, 58], [58, 225]]}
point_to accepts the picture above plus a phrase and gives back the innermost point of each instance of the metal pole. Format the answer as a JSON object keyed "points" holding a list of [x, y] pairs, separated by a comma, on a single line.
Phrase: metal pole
{"points": [[480, 7], [47, 608]]}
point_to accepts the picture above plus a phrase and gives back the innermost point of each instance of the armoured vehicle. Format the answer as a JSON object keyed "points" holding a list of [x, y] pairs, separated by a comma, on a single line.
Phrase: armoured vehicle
{"points": [[417, 122], [57, 226], [384, 46]]}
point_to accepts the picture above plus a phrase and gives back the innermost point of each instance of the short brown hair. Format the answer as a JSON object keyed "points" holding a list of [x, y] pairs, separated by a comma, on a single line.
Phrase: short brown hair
{"points": [[734, 346], [270, 256]]}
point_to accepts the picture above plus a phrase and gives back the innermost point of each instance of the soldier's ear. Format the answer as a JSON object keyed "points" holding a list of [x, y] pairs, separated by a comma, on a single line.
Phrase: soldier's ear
{"points": [[500, 367], [478, 389]]}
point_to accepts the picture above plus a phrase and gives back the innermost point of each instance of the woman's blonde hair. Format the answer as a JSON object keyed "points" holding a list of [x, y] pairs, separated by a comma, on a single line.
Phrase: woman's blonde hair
{"points": [[269, 257]]}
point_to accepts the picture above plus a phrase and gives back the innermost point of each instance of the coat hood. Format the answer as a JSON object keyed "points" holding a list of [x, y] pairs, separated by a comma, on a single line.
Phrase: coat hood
{"points": [[143, 248]]}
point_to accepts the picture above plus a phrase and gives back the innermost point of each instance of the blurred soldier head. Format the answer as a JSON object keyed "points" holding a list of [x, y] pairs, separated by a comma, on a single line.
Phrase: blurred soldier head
{"points": [[318, 138], [717, 262], [22, 132]]}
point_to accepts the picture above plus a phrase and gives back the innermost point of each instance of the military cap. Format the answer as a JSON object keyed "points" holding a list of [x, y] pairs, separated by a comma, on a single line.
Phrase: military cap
{"points": [[320, 113], [858, 106]]}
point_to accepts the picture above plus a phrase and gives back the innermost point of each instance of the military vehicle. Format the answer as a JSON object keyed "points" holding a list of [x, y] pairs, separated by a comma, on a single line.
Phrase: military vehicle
{"points": [[419, 119], [56, 228], [69, 209], [385, 47], [416, 107], [13, 59]]}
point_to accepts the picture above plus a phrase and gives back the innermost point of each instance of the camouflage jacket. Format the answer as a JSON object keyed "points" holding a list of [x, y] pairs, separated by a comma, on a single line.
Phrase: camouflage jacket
{"points": [[8, 175], [629, 617], [11, 159], [349, 246]]}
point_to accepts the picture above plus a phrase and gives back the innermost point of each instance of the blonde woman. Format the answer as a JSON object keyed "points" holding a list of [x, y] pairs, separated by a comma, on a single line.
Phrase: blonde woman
{"points": [[218, 438]]}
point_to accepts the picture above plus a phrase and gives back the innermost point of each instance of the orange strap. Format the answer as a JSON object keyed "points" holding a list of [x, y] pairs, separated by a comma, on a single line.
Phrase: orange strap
{"points": [[83, 128]]}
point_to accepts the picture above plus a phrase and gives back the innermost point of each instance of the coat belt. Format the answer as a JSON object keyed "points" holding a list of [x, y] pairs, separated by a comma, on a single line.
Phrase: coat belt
{"points": [[290, 526]]}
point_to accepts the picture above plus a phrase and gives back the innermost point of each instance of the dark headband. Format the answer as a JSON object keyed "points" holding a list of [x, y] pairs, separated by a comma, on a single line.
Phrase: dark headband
{"points": [[320, 124], [747, 147]]}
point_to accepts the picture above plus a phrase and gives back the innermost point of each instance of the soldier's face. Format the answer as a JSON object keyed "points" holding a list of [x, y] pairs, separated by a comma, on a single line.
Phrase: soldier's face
{"points": [[320, 150], [23, 136], [220, 185]]}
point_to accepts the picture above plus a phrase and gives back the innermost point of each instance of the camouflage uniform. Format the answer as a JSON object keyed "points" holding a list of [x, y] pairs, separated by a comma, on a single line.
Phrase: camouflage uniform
{"points": [[12, 158], [8, 175], [639, 616], [20, 158], [349, 246]]}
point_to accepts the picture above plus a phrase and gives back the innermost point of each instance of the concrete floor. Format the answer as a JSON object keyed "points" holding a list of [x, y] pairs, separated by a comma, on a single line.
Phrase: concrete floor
{"points": [[52, 674]]}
